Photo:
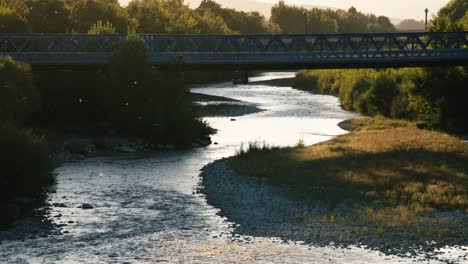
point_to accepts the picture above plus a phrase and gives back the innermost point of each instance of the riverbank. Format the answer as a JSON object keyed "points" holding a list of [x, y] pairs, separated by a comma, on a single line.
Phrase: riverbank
{"points": [[284, 82], [219, 106], [387, 186]]}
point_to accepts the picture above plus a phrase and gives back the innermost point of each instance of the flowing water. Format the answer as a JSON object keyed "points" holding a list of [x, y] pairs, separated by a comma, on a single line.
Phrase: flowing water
{"points": [[146, 209]]}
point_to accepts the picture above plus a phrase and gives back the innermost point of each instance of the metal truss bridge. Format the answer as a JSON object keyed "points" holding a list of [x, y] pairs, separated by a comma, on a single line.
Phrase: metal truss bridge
{"points": [[248, 51]]}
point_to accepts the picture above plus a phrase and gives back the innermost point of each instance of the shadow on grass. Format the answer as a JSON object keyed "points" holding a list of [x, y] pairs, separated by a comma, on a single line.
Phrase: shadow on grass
{"points": [[414, 177]]}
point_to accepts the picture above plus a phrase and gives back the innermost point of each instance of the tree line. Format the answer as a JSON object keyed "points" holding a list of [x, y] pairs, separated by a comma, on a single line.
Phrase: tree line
{"points": [[174, 16]]}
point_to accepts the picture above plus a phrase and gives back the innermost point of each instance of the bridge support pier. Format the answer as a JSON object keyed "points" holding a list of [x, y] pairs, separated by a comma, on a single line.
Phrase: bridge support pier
{"points": [[240, 77]]}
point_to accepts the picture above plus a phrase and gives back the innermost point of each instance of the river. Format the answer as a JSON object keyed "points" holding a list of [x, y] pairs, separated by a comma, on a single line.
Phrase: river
{"points": [[147, 209]]}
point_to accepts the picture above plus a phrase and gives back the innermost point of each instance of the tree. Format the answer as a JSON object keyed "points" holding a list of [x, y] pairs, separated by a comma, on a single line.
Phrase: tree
{"points": [[237, 21], [163, 16], [48, 16], [209, 23], [411, 25], [86, 13], [290, 19]]}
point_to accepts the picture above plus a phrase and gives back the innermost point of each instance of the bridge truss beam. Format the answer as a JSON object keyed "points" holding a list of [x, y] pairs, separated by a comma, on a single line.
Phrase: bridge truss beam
{"points": [[249, 51]]}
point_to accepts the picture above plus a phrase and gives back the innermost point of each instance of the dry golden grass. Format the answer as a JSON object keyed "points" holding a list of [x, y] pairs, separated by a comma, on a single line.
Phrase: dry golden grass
{"points": [[399, 170], [375, 123]]}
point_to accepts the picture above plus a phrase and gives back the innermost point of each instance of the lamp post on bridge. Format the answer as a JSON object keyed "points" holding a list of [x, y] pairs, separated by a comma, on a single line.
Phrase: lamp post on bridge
{"points": [[426, 10], [305, 20]]}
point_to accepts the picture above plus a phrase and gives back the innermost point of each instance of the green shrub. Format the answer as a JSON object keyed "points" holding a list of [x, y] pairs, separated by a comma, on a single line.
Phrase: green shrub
{"points": [[379, 97], [321, 81], [353, 85], [25, 163], [102, 28], [18, 97]]}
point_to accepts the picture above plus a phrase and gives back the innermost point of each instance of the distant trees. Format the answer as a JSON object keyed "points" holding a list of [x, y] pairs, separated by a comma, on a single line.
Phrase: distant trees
{"points": [[163, 16], [175, 17], [237, 21], [411, 25], [290, 19]]}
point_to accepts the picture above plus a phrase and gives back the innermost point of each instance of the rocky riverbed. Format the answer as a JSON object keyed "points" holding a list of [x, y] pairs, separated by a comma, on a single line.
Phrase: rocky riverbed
{"points": [[262, 209]]}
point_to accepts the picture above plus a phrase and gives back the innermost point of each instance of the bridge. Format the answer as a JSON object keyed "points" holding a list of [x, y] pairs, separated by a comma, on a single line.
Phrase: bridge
{"points": [[248, 51]]}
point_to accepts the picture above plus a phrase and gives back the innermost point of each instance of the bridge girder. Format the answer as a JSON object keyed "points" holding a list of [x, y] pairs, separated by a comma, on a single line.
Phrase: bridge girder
{"points": [[254, 52]]}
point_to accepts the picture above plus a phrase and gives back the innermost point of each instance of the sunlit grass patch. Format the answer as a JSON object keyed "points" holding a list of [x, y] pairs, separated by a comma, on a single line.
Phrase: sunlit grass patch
{"points": [[375, 123], [400, 172]]}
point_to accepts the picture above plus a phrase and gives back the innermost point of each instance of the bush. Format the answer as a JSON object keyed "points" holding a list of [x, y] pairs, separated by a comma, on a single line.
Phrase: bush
{"points": [[18, 97], [102, 28], [379, 97], [25, 163], [321, 81]]}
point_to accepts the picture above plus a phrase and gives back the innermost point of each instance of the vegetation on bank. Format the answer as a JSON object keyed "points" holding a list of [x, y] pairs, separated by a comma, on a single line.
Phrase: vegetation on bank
{"points": [[126, 98], [432, 96], [390, 172], [24, 157]]}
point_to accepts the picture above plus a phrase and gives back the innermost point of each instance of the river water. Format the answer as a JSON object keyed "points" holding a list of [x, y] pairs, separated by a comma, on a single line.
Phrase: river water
{"points": [[147, 210]]}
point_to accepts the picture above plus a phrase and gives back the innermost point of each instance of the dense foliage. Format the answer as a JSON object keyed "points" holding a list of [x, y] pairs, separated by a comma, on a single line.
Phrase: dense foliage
{"points": [[18, 97], [291, 19], [434, 96], [175, 16], [128, 98], [147, 103], [236, 21], [24, 157], [25, 163]]}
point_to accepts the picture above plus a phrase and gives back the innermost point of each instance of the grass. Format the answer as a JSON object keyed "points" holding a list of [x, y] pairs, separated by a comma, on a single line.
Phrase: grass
{"points": [[399, 171], [375, 123]]}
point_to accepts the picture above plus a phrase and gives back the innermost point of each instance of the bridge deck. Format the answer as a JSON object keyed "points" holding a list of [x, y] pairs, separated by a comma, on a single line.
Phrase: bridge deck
{"points": [[249, 51]]}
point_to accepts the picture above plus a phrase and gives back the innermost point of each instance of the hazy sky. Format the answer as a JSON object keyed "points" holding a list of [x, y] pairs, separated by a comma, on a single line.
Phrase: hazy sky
{"points": [[391, 8]]}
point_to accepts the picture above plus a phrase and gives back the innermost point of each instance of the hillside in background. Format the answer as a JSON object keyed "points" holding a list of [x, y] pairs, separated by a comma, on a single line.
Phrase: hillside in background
{"points": [[263, 8], [411, 25]]}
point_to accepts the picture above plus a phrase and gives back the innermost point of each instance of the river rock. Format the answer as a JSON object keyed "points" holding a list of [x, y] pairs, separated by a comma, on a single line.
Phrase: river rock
{"points": [[86, 206]]}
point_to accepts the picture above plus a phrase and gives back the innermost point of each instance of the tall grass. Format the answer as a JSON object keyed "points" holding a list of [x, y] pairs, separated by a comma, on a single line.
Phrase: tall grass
{"points": [[392, 166]]}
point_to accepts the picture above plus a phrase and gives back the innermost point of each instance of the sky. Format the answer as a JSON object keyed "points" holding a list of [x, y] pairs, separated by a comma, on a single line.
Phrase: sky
{"points": [[396, 9]]}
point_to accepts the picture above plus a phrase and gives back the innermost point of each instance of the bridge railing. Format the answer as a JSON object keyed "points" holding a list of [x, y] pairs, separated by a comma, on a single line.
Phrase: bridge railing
{"points": [[12, 43]]}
